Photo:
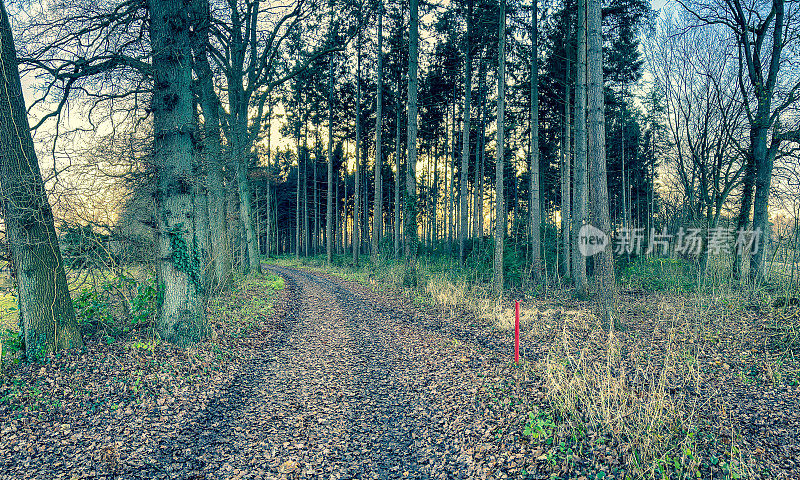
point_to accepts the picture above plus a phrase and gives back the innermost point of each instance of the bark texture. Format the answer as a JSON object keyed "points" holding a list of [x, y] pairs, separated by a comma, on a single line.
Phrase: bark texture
{"points": [[181, 315], [500, 216], [45, 308], [465, 130], [534, 201], [410, 215], [377, 212], [581, 179], [604, 280]]}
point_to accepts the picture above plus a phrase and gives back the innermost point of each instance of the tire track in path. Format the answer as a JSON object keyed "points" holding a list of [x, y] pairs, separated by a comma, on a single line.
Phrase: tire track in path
{"points": [[354, 391]]}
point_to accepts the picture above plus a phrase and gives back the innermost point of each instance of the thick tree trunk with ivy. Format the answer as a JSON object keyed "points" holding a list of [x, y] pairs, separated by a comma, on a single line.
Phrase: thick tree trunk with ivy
{"points": [[181, 317], [410, 201], [45, 308], [500, 216]]}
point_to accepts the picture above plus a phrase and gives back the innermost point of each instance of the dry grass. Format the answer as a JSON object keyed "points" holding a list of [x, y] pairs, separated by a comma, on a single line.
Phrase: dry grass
{"points": [[668, 396]]}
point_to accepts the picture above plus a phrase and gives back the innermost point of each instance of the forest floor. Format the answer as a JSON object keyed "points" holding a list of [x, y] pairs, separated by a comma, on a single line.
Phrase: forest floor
{"points": [[331, 378]]}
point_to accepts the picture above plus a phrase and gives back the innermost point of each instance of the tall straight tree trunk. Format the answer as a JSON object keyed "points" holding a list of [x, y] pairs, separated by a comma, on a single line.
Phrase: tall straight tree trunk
{"points": [[337, 215], [450, 171], [480, 143], [365, 239], [398, 154], [180, 318], [377, 212], [200, 209], [410, 215], [462, 237], [357, 198], [346, 240], [47, 319], [604, 262], [566, 161], [245, 208], [581, 197], [315, 238], [268, 185], [212, 146], [743, 219], [329, 200], [500, 217], [534, 202], [306, 162], [299, 170]]}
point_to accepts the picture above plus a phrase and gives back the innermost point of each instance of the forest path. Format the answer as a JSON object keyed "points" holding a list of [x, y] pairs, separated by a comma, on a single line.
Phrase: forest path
{"points": [[353, 389]]}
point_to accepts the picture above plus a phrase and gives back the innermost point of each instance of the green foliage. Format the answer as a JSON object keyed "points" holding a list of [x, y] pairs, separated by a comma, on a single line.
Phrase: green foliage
{"points": [[12, 341], [540, 426], [185, 260], [145, 304], [106, 308], [657, 273], [91, 307]]}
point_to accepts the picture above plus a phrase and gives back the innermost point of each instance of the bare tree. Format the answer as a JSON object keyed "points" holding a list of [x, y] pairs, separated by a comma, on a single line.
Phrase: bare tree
{"points": [[769, 86], [704, 113], [47, 319]]}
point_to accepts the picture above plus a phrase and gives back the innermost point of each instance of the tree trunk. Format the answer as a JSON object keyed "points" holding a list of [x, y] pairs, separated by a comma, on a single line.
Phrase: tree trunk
{"points": [[500, 222], [299, 170], [181, 318], [604, 262], [581, 197], [743, 219], [377, 212], [315, 238], [306, 162], [480, 143], [329, 200], [410, 216], [398, 154], [357, 198], [212, 146], [45, 308], [267, 192], [566, 161], [534, 202], [465, 129]]}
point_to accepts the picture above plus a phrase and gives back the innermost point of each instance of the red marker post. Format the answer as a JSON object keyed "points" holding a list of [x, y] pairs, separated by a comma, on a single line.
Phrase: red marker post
{"points": [[516, 332]]}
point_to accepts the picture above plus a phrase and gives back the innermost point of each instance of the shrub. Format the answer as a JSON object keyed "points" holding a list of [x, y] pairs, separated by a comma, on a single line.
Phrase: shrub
{"points": [[658, 273]]}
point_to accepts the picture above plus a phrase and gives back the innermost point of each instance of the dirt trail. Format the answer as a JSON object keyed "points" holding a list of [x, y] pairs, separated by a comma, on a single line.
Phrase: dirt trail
{"points": [[351, 389]]}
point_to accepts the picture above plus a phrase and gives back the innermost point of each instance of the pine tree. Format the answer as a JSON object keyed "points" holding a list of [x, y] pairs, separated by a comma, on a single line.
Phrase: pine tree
{"points": [[500, 217]]}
